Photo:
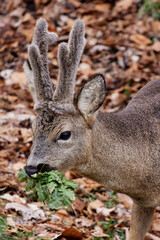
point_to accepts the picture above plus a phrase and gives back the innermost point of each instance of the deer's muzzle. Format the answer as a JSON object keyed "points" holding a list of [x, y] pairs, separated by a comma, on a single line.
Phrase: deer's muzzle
{"points": [[30, 170]]}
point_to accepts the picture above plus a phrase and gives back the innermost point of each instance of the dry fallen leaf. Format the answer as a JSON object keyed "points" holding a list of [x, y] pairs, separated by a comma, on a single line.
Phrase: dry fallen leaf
{"points": [[119, 46], [20, 78], [156, 46], [150, 236], [104, 211], [102, 7], [123, 5], [98, 232], [29, 211], [94, 205], [117, 98], [72, 233], [156, 225], [83, 222], [127, 201], [140, 39], [13, 198], [78, 204]]}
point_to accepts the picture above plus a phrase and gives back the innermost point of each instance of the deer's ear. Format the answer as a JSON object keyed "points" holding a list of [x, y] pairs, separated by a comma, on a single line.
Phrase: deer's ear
{"points": [[91, 97]]}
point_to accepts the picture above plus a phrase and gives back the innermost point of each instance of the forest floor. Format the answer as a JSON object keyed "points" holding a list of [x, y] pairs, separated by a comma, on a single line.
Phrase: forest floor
{"points": [[122, 45]]}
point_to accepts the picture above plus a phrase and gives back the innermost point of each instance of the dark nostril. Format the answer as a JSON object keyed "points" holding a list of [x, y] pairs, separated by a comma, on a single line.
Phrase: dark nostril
{"points": [[30, 170], [43, 168]]}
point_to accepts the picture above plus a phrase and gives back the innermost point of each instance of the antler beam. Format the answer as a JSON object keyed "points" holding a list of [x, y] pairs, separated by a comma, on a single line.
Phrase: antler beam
{"points": [[37, 67], [69, 57]]}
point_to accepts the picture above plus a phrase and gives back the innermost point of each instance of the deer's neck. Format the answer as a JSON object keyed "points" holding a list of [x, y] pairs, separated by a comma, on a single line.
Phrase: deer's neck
{"points": [[112, 163]]}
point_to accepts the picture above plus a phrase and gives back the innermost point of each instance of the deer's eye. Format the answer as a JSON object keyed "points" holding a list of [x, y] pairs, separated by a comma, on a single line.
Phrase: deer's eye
{"points": [[65, 135]]}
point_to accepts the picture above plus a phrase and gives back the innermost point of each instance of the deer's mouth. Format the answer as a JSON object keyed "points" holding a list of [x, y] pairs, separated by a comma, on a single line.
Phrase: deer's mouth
{"points": [[41, 168], [44, 168]]}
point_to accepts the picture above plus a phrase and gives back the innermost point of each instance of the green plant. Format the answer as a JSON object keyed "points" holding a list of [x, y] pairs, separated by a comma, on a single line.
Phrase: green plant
{"points": [[91, 196], [112, 200], [3, 226], [16, 236], [24, 235], [3, 230], [127, 93], [97, 238], [50, 187], [109, 228], [152, 8]]}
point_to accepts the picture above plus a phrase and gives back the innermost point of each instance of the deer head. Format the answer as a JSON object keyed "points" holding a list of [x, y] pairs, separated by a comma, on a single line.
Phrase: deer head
{"points": [[62, 130]]}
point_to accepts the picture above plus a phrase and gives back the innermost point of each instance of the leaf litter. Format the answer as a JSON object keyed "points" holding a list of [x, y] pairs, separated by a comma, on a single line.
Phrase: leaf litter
{"points": [[125, 48]]}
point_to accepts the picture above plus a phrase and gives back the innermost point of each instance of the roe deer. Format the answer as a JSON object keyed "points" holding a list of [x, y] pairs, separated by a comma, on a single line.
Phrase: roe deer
{"points": [[119, 150]]}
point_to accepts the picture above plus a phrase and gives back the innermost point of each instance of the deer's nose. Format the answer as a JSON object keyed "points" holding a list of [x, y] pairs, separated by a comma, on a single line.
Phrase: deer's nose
{"points": [[30, 170]]}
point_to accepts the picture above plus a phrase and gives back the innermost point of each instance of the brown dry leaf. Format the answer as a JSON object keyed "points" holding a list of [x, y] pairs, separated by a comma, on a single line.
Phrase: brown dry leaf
{"points": [[18, 166], [102, 7], [2, 161], [70, 23], [98, 232], [40, 228], [75, 3], [16, 17], [6, 182], [72, 233], [83, 222], [27, 33], [12, 230], [26, 134], [133, 68], [6, 138], [156, 46], [85, 68], [87, 184], [41, 231], [37, 3], [123, 5], [98, 48], [110, 41], [19, 78], [104, 211], [94, 205], [117, 98], [109, 51], [127, 201], [78, 204], [156, 225], [140, 39], [61, 213], [55, 227], [102, 196], [147, 59], [13, 198], [10, 221], [5, 104], [155, 26], [150, 236], [29, 211], [89, 19], [27, 18]]}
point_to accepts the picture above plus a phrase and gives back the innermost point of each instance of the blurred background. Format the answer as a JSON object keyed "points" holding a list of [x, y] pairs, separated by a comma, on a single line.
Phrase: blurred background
{"points": [[123, 44]]}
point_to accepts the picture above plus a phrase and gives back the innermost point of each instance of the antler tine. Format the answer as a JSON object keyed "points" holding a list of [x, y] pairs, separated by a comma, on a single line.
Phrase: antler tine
{"points": [[42, 38], [69, 57], [28, 71], [37, 67]]}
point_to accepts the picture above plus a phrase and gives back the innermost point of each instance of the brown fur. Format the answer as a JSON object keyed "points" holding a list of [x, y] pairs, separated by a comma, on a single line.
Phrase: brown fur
{"points": [[119, 150]]}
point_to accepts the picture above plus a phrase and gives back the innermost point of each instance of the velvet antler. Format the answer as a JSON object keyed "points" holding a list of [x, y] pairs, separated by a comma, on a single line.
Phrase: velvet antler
{"points": [[36, 68], [69, 57]]}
